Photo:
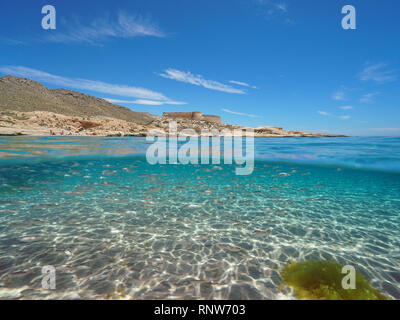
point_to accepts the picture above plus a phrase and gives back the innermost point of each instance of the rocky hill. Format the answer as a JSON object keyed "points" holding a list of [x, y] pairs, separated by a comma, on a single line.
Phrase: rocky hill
{"points": [[24, 95]]}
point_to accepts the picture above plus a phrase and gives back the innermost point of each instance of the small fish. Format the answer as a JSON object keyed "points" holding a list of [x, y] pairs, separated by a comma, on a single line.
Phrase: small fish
{"points": [[29, 239], [26, 188], [229, 247], [260, 233], [113, 200], [192, 206], [75, 193], [148, 202], [154, 189], [83, 188], [109, 172], [108, 183]]}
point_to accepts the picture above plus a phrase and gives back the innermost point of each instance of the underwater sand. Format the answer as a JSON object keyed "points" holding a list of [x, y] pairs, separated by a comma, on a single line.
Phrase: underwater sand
{"points": [[117, 227]]}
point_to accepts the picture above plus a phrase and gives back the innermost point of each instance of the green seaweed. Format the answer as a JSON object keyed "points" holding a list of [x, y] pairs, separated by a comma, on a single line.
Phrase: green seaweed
{"points": [[117, 294], [322, 280]]}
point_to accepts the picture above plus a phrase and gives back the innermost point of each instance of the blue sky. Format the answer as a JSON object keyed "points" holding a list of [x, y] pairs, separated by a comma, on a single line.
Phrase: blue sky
{"points": [[285, 63]]}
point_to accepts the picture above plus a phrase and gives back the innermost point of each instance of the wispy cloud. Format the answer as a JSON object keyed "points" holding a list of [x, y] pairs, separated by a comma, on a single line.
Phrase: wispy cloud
{"points": [[96, 32], [367, 98], [84, 84], [198, 80], [327, 114], [273, 5], [378, 73], [274, 8], [339, 95], [346, 107], [145, 102], [243, 84], [386, 129], [240, 113], [281, 6], [105, 28], [8, 41]]}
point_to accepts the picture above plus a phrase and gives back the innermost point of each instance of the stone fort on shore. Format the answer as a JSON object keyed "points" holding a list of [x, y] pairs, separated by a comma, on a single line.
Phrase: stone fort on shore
{"points": [[195, 115]]}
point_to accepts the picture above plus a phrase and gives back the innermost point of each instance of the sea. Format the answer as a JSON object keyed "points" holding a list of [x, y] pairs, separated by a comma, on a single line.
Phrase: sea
{"points": [[111, 225]]}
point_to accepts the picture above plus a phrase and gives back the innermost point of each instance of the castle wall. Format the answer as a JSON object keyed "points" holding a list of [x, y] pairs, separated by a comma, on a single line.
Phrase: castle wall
{"points": [[183, 115], [212, 118], [196, 115]]}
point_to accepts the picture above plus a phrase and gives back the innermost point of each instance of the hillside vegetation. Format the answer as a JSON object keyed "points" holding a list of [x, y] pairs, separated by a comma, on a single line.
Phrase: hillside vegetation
{"points": [[24, 95]]}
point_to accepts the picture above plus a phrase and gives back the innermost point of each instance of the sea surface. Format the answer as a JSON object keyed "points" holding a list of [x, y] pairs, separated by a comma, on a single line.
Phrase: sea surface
{"points": [[113, 226]]}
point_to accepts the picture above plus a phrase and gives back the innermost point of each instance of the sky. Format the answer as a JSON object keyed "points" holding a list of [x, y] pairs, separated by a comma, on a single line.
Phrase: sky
{"points": [[286, 63]]}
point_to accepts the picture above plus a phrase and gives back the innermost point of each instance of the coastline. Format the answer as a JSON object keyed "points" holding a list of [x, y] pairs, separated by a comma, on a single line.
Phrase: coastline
{"points": [[44, 123]]}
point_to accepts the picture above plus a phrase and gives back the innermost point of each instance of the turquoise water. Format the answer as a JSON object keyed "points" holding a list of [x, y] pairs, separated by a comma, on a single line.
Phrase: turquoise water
{"points": [[112, 224]]}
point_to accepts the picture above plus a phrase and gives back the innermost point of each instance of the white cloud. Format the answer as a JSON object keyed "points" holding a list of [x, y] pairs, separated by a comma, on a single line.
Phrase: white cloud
{"points": [[273, 6], [198, 80], [244, 84], [145, 102], [240, 83], [240, 113], [281, 6], [326, 114], [101, 29], [367, 98], [84, 84], [377, 73], [346, 107], [339, 95]]}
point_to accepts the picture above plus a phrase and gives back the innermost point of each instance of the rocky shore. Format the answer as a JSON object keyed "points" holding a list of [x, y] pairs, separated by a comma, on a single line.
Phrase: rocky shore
{"points": [[44, 123]]}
